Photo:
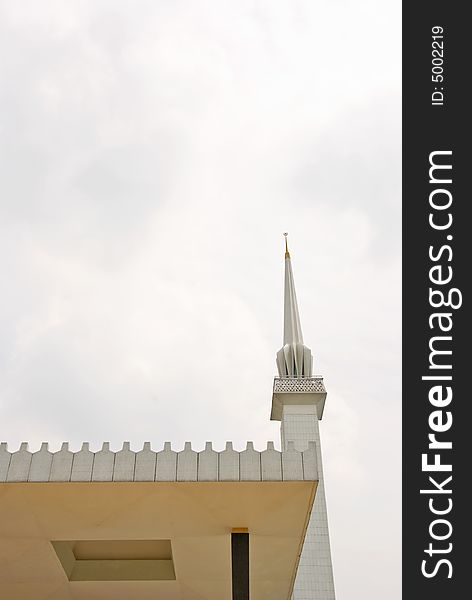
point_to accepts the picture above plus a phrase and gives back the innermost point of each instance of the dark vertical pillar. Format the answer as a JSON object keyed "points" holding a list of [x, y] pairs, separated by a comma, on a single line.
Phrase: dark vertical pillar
{"points": [[240, 565]]}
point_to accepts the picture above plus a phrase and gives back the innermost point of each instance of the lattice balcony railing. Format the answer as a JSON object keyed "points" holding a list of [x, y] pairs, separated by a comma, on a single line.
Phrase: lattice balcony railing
{"points": [[289, 385]]}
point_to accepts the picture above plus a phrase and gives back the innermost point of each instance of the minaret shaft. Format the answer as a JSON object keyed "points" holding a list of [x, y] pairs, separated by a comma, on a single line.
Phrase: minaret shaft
{"points": [[314, 580]]}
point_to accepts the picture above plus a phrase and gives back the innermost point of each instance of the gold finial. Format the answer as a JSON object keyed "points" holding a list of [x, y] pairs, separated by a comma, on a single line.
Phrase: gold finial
{"points": [[287, 253]]}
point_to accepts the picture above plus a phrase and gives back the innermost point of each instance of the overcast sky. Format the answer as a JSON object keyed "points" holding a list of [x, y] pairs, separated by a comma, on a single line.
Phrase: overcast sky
{"points": [[152, 154]]}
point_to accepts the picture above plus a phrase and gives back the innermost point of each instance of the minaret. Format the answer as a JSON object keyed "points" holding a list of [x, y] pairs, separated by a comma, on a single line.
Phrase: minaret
{"points": [[298, 401]]}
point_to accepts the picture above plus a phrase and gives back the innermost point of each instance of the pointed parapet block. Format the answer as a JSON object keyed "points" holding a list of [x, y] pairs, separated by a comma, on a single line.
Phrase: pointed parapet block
{"points": [[228, 464], [292, 464], [41, 462], [19, 464], [187, 463], [250, 464], [208, 464], [145, 469], [166, 469], [125, 460], [61, 466], [166, 465], [5, 458], [82, 464], [271, 464], [310, 464], [103, 464]]}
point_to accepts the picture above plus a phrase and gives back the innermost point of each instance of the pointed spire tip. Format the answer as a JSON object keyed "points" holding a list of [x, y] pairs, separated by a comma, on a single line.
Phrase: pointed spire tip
{"points": [[287, 253]]}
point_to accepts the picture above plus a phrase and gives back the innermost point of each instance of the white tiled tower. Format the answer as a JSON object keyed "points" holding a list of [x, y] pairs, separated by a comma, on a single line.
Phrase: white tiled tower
{"points": [[298, 402]]}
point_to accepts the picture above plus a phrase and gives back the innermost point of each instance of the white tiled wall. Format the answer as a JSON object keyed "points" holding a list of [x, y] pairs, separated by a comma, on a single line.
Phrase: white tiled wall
{"points": [[314, 579]]}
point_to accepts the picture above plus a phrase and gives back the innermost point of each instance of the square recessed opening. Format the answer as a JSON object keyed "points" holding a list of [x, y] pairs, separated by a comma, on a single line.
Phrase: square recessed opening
{"points": [[115, 560]]}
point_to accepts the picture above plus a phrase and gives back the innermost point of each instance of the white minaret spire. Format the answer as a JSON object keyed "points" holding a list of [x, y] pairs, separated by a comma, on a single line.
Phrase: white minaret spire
{"points": [[298, 402], [294, 359], [292, 327]]}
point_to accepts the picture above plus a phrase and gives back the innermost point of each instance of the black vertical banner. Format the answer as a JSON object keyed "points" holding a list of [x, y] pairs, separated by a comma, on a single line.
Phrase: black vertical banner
{"points": [[437, 257], [240, 566]]}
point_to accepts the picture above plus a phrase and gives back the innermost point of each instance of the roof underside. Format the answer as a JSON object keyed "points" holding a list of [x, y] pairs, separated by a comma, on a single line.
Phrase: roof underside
{"points": [[197, 518]]}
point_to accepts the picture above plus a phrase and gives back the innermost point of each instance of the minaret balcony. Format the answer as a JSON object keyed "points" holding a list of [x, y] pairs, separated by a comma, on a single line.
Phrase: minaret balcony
{"points": [[297, 391]]}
